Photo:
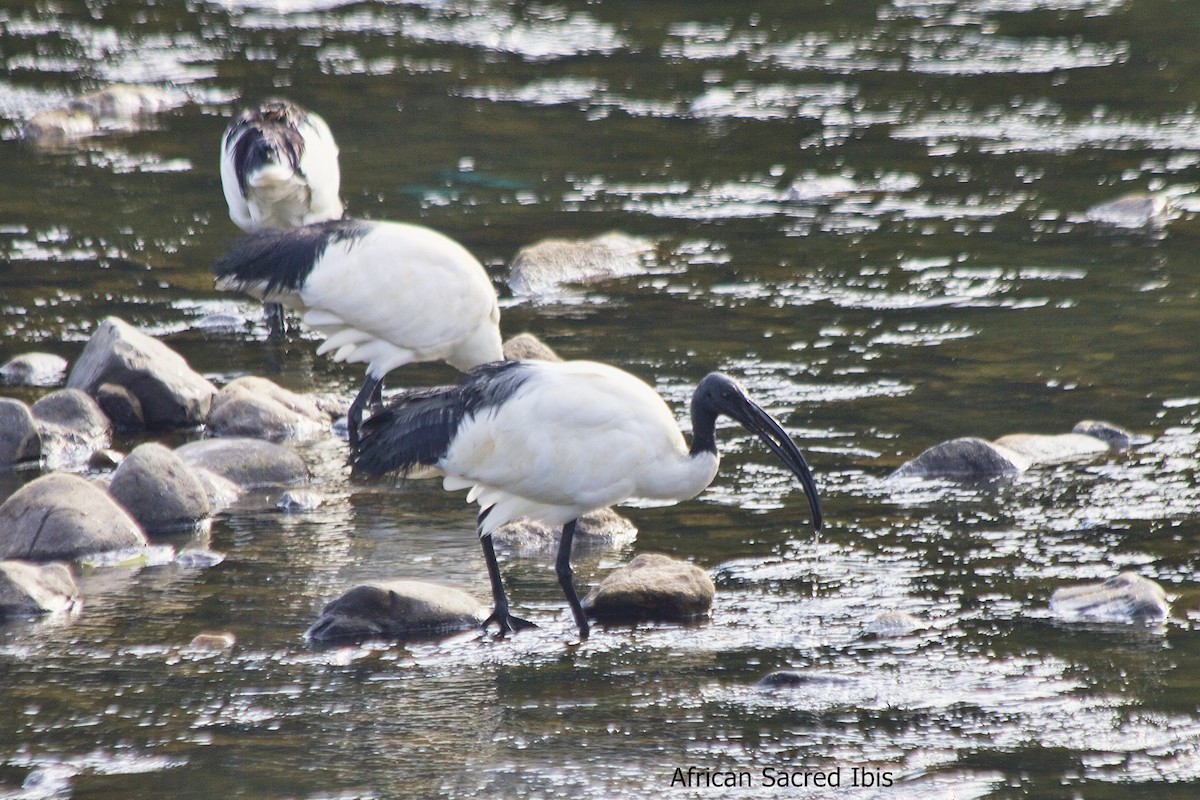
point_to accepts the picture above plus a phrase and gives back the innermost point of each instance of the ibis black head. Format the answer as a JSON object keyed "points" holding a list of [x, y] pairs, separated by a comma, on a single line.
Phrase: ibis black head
{"points": [[719, 394]]}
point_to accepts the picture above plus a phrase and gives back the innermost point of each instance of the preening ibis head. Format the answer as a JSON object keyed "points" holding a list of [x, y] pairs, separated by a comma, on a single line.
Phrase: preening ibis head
{"points": [[381, 293], [279, 168], [552, 441]]}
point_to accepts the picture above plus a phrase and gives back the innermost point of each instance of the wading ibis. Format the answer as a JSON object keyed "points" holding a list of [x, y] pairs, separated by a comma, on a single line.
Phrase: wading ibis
{"points": [[381, 293], [552, 441]]}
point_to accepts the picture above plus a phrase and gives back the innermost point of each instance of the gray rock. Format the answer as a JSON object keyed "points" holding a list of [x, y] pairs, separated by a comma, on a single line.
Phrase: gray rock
{"points": [[792, 678], [1128, 597], [527, 347], [1053, 449], [260, 409], [75, 411], [34, 369], [121, 407], [964, 459], [159, 490], [171, 394], [29, 589], [397, 609], [1114, 436], [603, 528], [20, 441], [892, 623], [220, 491], [295, 501], [652, 587], [63, 517], [247, 463], [58, 127], [1133, 210], [544, 266], [105, 460]]}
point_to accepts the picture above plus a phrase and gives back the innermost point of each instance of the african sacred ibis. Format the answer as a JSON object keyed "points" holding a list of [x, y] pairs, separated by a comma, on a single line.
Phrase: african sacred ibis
{"points": [[279, 168], [383, 293], [552, 441]]}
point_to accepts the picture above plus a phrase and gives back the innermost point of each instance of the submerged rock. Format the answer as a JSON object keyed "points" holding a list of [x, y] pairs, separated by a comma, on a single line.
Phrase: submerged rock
{"points": [[247, 463], [652, 587], [171, 394], [20, 441], [29, 589], [260, 409], [159, 490], [34, 369], [295, 501], [1114, 436], [792, 678], [58, 127], [603, 528], [546, 265], [892, 623], [63, 517], [967, 458], [1128, 597], [397, 609], [527, 347], [211, 642]]}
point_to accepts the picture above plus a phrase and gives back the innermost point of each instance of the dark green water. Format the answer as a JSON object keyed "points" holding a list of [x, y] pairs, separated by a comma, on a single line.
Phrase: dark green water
{"points": [[930, 275]]}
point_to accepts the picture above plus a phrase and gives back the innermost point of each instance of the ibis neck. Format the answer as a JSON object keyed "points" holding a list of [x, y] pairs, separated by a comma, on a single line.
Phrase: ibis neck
{"points": [[704, 431]]}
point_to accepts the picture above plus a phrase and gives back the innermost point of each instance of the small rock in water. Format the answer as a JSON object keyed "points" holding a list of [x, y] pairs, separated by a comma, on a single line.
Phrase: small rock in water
{"points": [[791, 678], [1134, 210], [260, 409], [212, 642], [247, 463], [63, 517], [967, 458], [105, 460], [121, 407], [159, 490], [546, 265], [29, 589], [1114, 436], [892, 623], [72, 427], [299, 500], [1128, 597], [199, 559], [396, 609], [527, 347], [20, 441], [603, 528], [34, 369], [1054, 449], [652, 588]]}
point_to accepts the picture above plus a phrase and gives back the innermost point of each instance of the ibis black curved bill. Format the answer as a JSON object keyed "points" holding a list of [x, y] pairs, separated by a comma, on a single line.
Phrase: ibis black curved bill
{"points": [[755, 419]]}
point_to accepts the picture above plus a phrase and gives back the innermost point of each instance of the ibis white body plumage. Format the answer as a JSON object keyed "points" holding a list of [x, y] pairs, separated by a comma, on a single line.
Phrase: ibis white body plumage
{"points": [[553, 440], [384, 294], [279, 168]]}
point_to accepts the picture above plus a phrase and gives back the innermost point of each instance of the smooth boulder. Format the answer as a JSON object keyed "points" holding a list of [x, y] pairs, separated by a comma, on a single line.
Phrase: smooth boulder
{"points": [[260, 409], [395, 610], [546, 265], [32, 589], [1114, 436], [527, 347], [246, 463], [603, 528], [34, 369], [891, 623], [652, 587], [159, 490], [63, 517], [121, 407], [1054, 448], [20, 440], [1127, 597], [171, 394], [964, 459]]}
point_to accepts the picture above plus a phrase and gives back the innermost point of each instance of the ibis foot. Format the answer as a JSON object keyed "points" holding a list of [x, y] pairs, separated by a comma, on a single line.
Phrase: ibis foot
{"points": [[506, 622]]}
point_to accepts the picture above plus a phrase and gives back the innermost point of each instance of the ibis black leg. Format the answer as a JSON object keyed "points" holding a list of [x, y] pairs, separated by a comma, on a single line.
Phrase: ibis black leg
{"points": [[354, 415], [562, 566], [505, 621], [275, 322]]}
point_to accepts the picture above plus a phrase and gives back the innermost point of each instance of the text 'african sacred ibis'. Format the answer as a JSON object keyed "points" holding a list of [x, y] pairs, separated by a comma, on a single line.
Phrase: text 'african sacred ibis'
{"points": [[279, 168], [381, 293], [552, 441]]}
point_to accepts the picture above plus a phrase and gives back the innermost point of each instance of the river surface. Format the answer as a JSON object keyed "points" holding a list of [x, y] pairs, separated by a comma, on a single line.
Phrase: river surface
{"points": [[873, 214]]}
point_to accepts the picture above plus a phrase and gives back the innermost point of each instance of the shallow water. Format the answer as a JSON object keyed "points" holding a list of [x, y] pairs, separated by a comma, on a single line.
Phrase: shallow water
{"points": [[872, 214]]}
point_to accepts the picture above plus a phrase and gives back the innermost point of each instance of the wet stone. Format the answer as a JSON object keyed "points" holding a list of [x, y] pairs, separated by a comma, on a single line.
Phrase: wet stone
{"points": [[171, 394], [63, 517], [246, 463], [159, 490], [1055, 448], [603, 528], [212, 642], [546, 265], [395, 610], [527, 347], [75, 411], [1114, 436], [1128, 598], [20, 441], [121, 407], [31, 589], [792, 679], [260, 409], [652, 587], [1134, 210], [964, 459], [34, 369], [892, 623], [296, 501]]}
